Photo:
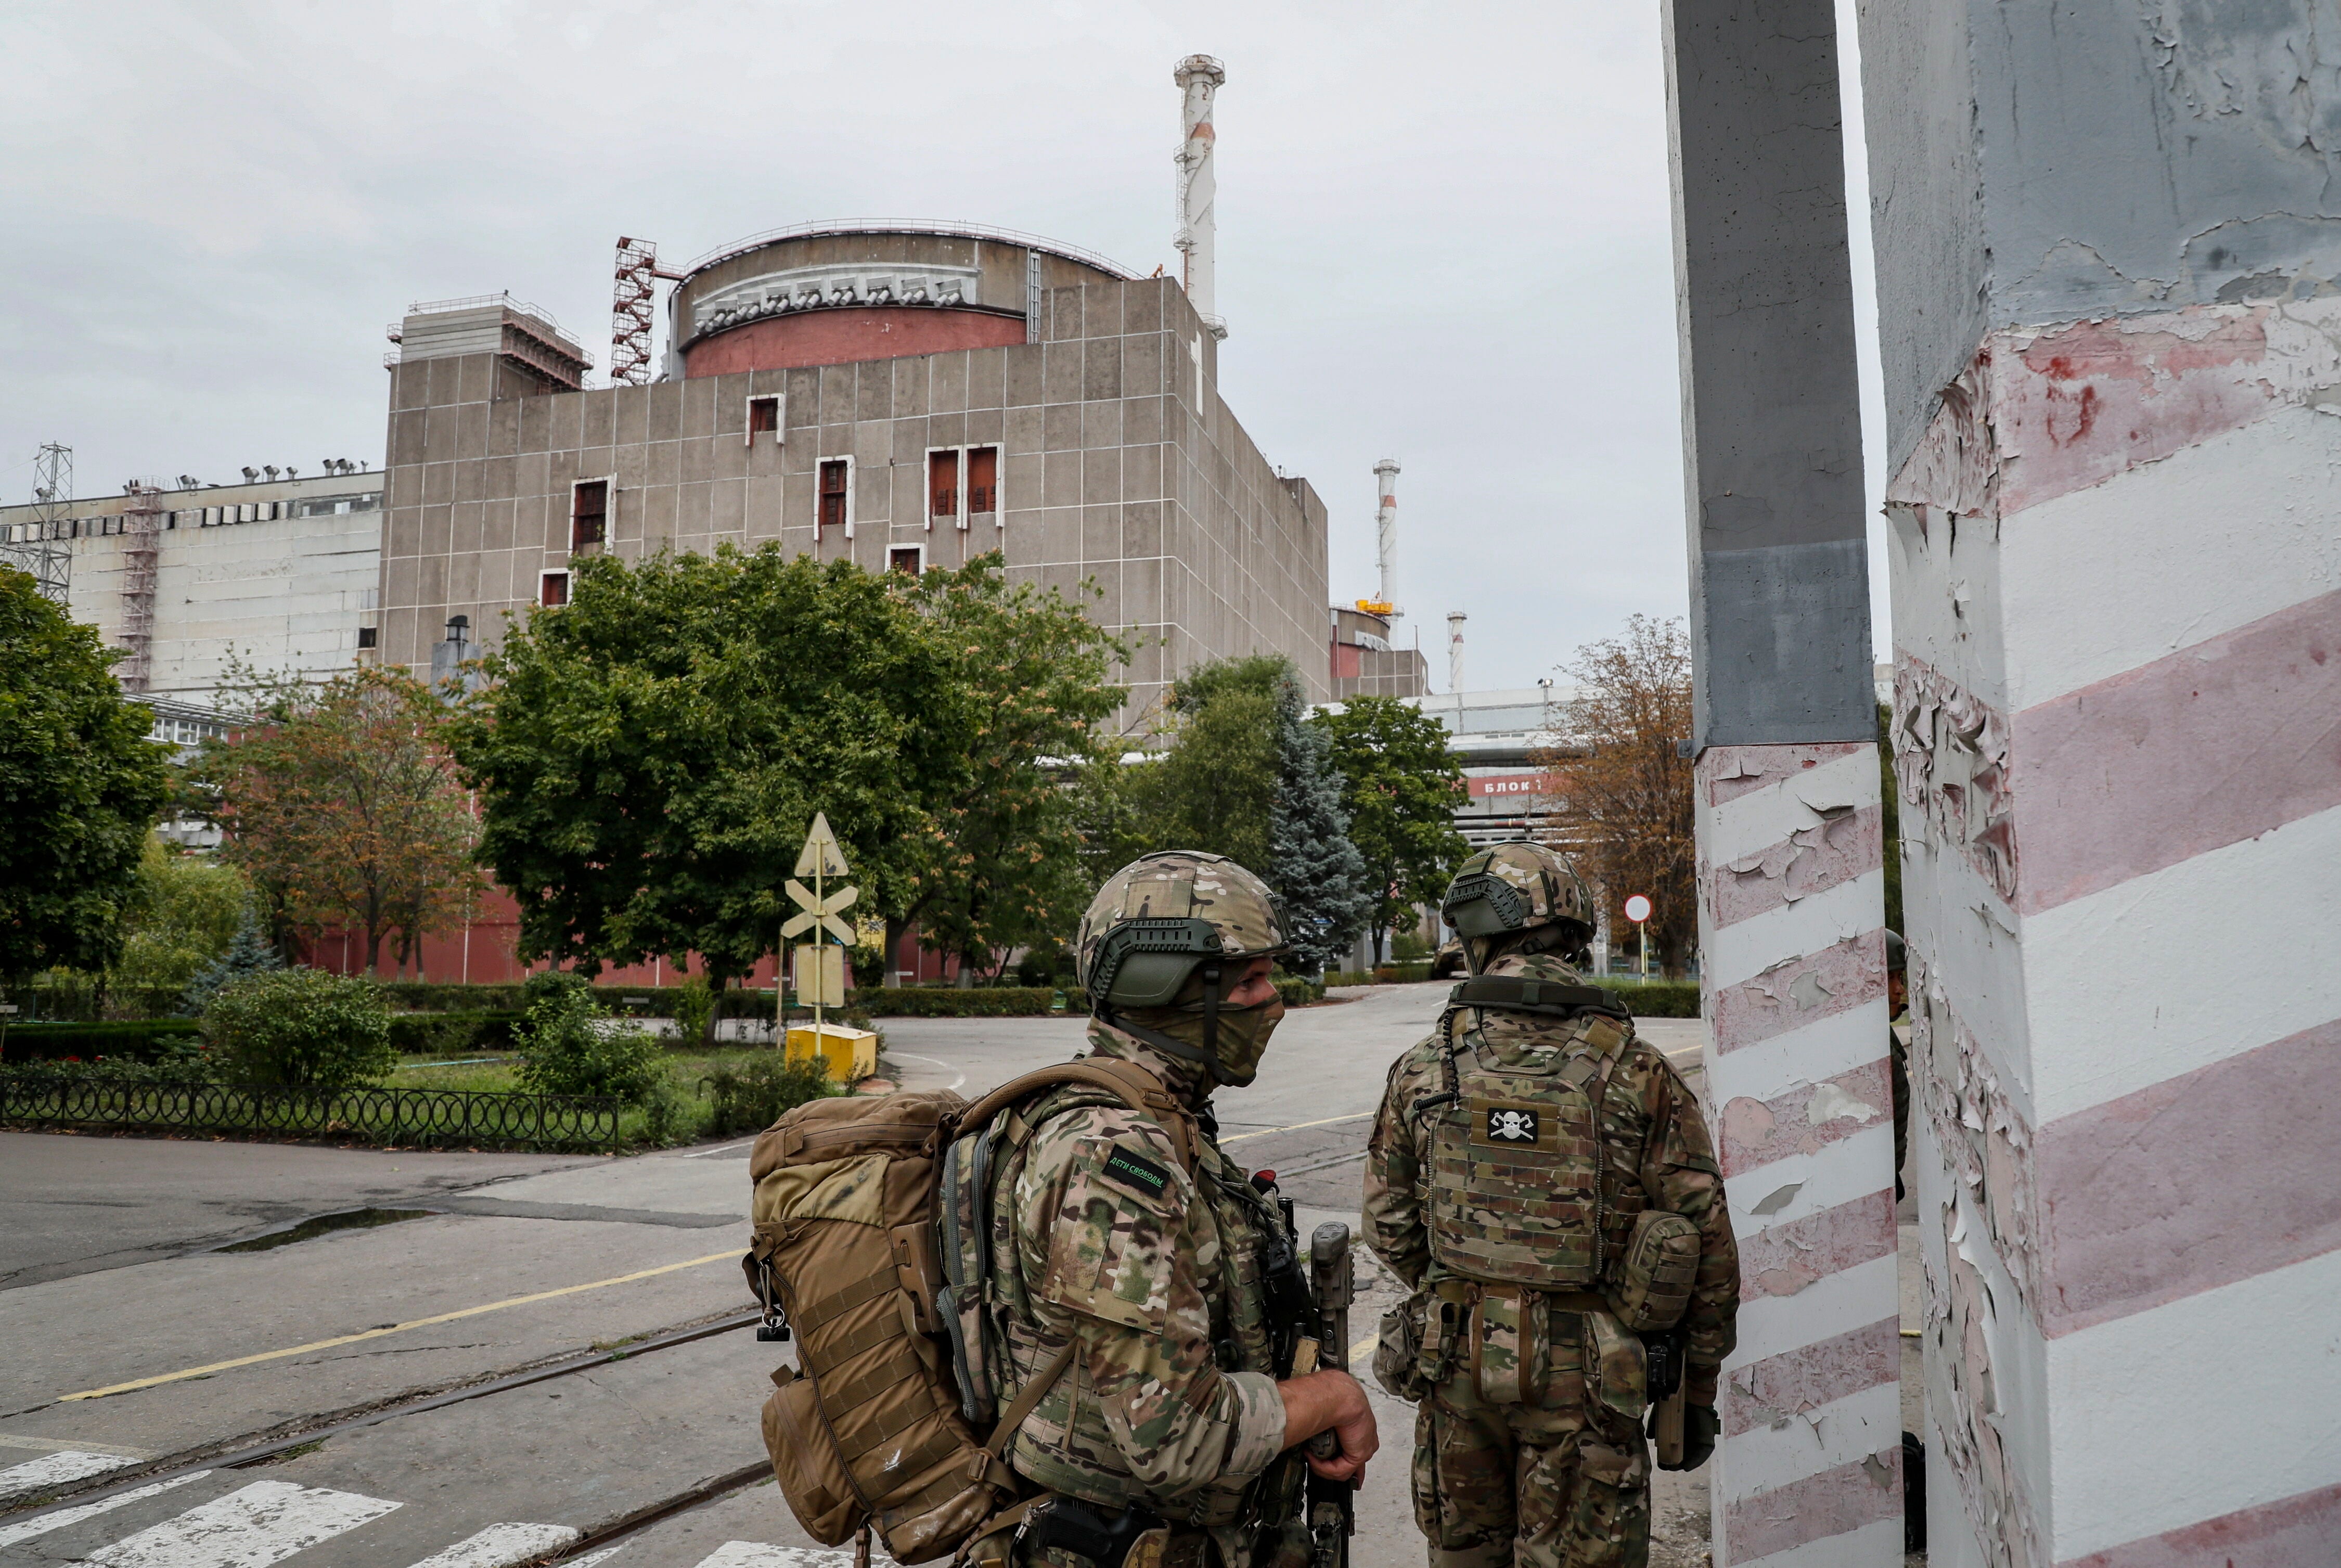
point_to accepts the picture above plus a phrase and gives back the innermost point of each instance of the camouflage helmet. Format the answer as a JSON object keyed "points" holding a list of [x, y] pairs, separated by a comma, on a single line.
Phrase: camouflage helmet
{"points": [[1163, 914], [1511, 888]]}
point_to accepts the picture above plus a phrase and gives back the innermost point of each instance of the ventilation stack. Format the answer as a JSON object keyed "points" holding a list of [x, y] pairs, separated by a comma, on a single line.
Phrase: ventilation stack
{"points": [[1455, 619], [1386, 534], [1199, 77]]}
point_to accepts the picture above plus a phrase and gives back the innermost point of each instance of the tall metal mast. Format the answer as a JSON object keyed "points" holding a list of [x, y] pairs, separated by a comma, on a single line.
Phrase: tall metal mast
{"points": [[46, 555]]}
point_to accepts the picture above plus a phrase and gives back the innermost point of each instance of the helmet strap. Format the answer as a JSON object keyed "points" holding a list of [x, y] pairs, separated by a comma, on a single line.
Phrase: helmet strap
{"points": [[1211, 1010]]}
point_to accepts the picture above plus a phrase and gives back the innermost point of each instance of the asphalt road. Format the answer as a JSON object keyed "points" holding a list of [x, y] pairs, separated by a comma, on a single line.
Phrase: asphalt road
{"points": [[138, 1352]]}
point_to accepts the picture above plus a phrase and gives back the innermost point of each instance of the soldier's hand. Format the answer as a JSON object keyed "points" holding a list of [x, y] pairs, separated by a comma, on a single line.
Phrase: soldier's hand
{"points": [[1701, 1426], [1331, 1400]]}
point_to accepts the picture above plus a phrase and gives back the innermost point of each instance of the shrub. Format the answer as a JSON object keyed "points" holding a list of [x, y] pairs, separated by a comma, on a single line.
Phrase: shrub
{"points": [[751, 1096], [574, 1047], [300, 1027], [694, 1012]]}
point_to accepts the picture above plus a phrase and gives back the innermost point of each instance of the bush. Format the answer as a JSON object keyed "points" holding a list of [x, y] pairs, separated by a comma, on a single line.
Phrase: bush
{"points": [[150, 1040], [300, 1027], [751, 1096], [694, 1012], [574, 1048]]}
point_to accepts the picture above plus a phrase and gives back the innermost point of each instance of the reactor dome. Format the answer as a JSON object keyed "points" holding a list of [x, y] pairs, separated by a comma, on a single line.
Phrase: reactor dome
{"points": [[832, 294]]}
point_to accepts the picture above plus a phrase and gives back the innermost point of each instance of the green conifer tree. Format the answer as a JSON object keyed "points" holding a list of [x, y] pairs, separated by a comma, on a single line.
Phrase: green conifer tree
{"points": [[1314, 867], [248, 952]]}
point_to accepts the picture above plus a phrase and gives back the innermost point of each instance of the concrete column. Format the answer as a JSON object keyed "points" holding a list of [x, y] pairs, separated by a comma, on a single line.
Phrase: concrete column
{"points": [[2108, 240], [1790, 853]]}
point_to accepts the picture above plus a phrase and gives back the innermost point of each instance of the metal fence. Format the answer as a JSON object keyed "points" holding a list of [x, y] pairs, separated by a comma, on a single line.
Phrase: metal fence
{"points": [[373, 1116]]}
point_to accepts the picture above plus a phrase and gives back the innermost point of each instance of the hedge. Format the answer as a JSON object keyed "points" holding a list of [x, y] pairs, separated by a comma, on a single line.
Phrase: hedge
{"points": [[1656, 998], [452, 1032], [136, 1041], [955, 1002]]}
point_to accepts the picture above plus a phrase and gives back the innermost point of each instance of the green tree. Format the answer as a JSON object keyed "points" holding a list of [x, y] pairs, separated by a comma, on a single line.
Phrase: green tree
{"points": [[182, 914], [1215, 787], [340, 802], [1313, 864], [1401, 786], [650, 755], [80, 784], [1027, 685], [301, 1028]]}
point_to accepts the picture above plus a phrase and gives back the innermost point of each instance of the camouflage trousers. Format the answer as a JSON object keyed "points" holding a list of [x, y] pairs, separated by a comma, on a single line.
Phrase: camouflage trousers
{"points": [[1548, 1484]]}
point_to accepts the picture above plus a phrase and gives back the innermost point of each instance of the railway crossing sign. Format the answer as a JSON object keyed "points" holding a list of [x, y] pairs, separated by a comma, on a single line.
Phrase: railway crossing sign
{"points": [[820, 965], [819, 912]]}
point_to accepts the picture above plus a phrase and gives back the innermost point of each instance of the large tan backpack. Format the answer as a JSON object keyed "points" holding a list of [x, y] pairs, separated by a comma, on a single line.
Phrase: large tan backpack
{"points": [[871, 1429]]}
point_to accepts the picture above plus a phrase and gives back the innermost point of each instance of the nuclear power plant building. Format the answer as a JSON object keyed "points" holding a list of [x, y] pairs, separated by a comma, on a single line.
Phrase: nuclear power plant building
{"points": [[905, 396]]}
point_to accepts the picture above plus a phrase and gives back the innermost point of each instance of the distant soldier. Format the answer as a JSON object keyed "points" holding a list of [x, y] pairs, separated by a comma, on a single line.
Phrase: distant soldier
{"points": [[1133, 1236], [1544, 1183]]}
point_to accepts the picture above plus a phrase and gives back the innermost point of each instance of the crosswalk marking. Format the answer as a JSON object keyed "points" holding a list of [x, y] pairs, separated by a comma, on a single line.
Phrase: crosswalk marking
{"points": [[502, 1545], [756, 1554], [593, 1557], [41, 1525], [67, 1464], [264, 1522]]}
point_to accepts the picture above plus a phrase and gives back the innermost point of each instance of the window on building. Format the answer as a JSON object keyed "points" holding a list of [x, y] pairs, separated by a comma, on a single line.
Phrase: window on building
{"points": [[763, 418], [983, 479], [943, 483], [910, 558], [589, 513], [365, 637], [834, 474], [553, 588]]}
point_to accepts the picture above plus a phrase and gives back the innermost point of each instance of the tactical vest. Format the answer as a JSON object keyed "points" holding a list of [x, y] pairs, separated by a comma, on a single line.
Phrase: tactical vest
{"points": [[1520, 1191]]}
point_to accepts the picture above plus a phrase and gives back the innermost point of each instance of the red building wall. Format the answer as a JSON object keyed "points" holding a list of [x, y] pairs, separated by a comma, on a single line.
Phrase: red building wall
{"points": [[847, 334]]}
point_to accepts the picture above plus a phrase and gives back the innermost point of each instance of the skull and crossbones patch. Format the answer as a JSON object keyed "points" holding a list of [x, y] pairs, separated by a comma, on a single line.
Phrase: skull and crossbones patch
{"points": [[1505, 1125]]}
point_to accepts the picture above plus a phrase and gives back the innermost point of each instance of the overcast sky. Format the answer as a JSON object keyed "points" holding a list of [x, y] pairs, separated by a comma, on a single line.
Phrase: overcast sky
{"points": [[1444, 231]]}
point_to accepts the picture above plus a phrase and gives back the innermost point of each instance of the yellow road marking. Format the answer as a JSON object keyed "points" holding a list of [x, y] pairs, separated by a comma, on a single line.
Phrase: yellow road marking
{"points": [[1363, 1348], [394, 1328], [1266, 1132]]}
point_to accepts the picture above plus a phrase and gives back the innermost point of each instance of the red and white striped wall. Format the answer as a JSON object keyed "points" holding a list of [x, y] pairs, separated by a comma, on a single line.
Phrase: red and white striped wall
{"points": [[1791, 884], [2116, 566]]}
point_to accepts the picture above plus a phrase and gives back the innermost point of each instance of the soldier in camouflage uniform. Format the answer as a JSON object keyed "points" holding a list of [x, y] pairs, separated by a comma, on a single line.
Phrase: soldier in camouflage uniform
{"points": [[1487, 1181], [1134, 1234]]}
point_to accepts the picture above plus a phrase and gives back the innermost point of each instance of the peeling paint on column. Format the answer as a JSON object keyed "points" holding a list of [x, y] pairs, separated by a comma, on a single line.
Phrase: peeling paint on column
{"points": [[1985, 1141], [1950, 762]]}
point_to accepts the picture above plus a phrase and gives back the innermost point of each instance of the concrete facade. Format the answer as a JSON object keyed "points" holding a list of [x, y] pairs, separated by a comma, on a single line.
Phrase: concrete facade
{"points": [[2108, 243], [1364, 663], [1808, 1470], [281, 575], [1118, 464]]}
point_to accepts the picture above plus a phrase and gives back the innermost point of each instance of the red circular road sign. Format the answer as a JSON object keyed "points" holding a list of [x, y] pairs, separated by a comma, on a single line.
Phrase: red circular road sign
{"points": [[1637, 909]]}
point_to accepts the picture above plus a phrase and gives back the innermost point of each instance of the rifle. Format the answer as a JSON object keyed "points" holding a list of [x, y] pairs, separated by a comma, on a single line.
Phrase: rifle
{"points": [[1666, 1387], [1333, 1513]]}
